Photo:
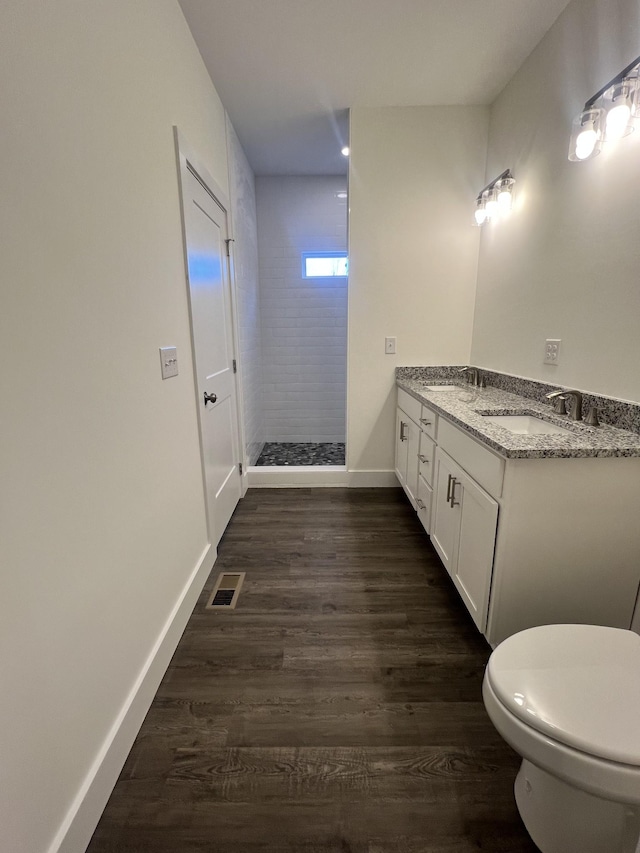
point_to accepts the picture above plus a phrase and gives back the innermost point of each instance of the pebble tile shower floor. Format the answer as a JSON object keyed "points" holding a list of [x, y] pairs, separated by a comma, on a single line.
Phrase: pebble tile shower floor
{"points": [[307, 453]]}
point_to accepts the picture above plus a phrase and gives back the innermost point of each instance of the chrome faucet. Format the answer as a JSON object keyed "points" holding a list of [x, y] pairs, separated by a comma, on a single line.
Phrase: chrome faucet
{"points": [[472, 377], [576, 402]]}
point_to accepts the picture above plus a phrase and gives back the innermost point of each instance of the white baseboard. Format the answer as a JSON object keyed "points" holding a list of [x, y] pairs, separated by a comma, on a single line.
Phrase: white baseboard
{"points": [[296, 476], [320, 476], [83, 816], [373, 480]]}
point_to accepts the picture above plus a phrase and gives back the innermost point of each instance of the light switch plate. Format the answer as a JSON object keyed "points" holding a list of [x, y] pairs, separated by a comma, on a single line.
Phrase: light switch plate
{"points": [[552, 351], [390, 346], [169, 362]]}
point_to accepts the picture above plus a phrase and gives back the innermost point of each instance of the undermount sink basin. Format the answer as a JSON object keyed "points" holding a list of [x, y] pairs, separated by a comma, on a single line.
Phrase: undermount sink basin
{"points": [[442, 387], [527, 425]]}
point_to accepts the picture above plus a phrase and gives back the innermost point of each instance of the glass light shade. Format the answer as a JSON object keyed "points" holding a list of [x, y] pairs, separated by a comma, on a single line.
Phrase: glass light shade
{"points": [[586, 135], [480, 212], [619, 107], [491, 203], [345, 151], [635, 80], [617, 121], [505, 197]]}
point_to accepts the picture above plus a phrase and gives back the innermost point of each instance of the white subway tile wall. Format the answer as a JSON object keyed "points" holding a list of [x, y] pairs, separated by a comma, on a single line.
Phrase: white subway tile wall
{"points": [[303, 321], [245, 258]]}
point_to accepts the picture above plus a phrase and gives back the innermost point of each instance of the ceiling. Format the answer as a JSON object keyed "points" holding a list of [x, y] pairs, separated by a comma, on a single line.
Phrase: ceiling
{"points": [[287, 71]]}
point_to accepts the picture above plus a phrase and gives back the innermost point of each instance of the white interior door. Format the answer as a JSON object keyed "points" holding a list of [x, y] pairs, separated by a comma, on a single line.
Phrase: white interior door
{"points": [[205, 222]]}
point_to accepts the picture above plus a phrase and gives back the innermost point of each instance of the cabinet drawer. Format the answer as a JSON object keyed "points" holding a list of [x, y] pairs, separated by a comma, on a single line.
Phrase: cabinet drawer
{"points": [[479, 462], [423, 503], [426, 456], [428, 421], [409, 405]]}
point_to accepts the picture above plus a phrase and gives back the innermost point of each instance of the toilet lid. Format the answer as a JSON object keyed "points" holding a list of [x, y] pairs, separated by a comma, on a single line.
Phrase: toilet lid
{"points": [[579, 684]]}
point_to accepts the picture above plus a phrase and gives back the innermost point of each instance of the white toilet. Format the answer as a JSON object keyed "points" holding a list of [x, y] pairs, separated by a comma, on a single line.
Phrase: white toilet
{"points": [[567, 699]]}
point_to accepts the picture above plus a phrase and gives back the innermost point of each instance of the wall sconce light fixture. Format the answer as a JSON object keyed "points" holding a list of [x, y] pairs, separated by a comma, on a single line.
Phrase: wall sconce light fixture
{"points": [[495, 199], [607, 115]]}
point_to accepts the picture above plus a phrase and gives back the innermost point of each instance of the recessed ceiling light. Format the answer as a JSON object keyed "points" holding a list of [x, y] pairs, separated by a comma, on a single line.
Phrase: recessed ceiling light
{"points": [[345, 151], [341, 194]]}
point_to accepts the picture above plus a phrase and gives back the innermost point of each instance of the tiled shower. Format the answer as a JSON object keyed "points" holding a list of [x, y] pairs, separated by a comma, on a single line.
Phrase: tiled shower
{"points": [[293, 341], [303, 321]]}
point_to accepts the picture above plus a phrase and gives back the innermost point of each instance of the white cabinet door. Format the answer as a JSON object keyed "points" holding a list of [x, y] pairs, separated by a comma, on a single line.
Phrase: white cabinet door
{"points": [[445, 520], [402, 447], [476, 543], [463, 532], [407, 446], [413, 440]]}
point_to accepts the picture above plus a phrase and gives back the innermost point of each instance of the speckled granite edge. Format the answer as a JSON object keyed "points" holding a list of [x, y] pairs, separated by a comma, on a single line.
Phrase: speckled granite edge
{"points": [[616, 413]]}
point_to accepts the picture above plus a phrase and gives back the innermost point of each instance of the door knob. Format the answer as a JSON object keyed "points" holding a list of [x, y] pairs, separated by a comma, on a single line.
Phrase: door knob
{"points": [[210, 398]]}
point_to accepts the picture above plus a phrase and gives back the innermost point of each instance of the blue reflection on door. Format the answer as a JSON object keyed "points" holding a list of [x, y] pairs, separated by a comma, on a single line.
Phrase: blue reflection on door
{"points": [[203, 267]]}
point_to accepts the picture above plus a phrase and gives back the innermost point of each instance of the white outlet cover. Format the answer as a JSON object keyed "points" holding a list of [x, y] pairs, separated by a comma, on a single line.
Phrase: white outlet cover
{"points": [[552, 351], [169, 362]]}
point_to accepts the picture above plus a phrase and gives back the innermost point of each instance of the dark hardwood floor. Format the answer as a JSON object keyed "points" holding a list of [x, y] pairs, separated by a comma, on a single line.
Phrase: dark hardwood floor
{"points": [[337, 709]]}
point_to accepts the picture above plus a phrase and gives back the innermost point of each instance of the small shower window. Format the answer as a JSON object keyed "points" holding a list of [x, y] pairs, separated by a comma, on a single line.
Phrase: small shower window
{"points": [[325, 265]]}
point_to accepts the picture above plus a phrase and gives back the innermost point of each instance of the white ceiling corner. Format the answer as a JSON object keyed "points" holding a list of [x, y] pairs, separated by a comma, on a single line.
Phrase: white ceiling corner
{"points": [[288, 71]]}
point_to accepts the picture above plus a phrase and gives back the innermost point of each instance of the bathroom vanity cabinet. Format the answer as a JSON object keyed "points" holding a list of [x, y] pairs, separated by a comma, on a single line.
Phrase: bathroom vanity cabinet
{"points": [[526, 541]]}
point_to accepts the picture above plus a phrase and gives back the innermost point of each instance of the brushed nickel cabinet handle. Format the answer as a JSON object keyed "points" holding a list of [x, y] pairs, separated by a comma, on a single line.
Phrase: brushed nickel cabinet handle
{"points": [[454, 502], [421, 505], [425, 422], [423, 458], [403, 437], [449, 488]]}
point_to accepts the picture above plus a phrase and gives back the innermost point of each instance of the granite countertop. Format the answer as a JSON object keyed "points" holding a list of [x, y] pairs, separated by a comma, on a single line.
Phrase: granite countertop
{"points": [[464, 405]]}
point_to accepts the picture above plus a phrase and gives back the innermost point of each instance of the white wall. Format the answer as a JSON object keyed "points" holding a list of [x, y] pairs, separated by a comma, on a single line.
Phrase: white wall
{"points": [[245, 261], [103, 521], [414, 173], [303, 321], [566, 263]]}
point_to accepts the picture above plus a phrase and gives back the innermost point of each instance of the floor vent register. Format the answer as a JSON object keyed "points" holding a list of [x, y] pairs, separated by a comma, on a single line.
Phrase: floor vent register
{"points": [[226, 591]]}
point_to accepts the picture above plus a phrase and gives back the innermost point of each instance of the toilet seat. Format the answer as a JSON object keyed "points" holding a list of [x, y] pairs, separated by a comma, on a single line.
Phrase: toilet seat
{"points": [[576, 684], [597, 776]]}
